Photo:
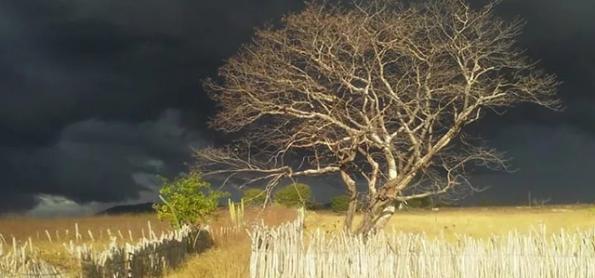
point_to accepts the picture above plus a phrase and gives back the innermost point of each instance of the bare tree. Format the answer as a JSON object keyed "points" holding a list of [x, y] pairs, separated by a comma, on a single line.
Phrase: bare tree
{"points": [[375, 92]]}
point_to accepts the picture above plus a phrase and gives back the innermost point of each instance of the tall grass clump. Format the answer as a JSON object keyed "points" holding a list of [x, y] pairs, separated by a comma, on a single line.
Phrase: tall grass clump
{"points": [[22, 261], [236, 212]]}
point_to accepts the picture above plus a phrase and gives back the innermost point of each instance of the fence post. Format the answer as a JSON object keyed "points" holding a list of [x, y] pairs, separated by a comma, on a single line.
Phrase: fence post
{"points": [[128, 263]]}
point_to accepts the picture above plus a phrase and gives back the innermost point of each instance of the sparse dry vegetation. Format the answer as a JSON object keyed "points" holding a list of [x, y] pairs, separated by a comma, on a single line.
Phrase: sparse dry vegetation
{"points": [[290, 251], [62, 229], [480, 222], [49, 235], [230, 256], [96, 231]]}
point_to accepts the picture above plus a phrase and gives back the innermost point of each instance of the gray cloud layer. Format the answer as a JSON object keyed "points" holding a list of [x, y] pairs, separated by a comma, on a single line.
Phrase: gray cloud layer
{"points": [[97, 161]]}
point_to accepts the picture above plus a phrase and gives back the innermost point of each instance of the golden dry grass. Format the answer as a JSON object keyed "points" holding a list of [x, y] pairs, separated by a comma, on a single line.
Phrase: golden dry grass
{"points": [[94, 230], [475, 222], [230, 256], [61, 229]]}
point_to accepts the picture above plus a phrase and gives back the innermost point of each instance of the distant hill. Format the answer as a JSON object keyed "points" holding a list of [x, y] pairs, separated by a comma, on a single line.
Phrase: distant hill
{"points": [[124, 209]]}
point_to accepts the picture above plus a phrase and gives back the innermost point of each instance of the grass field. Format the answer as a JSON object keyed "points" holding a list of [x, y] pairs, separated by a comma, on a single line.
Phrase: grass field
{"points": [[476, 222], [59, 229], [49, 235], [230, 256]]}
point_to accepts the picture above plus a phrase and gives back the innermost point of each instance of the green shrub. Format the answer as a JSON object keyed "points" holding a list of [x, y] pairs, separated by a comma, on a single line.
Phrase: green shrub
{"points": [[187, 199], [340, 203], [254, 196], [294, 195]]}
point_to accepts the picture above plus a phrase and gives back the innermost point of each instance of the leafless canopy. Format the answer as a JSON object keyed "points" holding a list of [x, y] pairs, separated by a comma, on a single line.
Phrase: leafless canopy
{"points": [[375, 92]]}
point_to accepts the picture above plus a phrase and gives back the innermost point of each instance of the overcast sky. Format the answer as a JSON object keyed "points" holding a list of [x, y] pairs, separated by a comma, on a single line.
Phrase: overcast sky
{"points": [[99, 97]]}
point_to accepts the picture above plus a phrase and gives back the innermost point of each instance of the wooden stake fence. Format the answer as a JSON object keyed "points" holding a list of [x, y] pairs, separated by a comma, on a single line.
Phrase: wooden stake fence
{"points": [[151, 257], [287, 251]]}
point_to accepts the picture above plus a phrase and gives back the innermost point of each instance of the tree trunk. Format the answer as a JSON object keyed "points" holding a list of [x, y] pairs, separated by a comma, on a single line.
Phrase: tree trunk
{"points": [[348, 225], [376, 217], [367, 224], [351, 188]]}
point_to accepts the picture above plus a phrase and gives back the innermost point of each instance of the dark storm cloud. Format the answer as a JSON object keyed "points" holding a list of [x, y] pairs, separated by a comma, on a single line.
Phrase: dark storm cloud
{"points": [[99, 96], [66, 60], [561, 35], [552, 152], [551, 163], [98, 161]]}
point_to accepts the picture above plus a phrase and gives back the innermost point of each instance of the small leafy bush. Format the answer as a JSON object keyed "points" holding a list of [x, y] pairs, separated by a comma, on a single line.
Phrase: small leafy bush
{"points": [[294, 195], [340, 203], [187, 199]]}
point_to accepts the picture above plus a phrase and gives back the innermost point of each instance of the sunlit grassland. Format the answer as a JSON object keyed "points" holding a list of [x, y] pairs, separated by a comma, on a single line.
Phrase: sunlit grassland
{"points": [[476, 222], [231, 253], [60, 229], [49, 235]]}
